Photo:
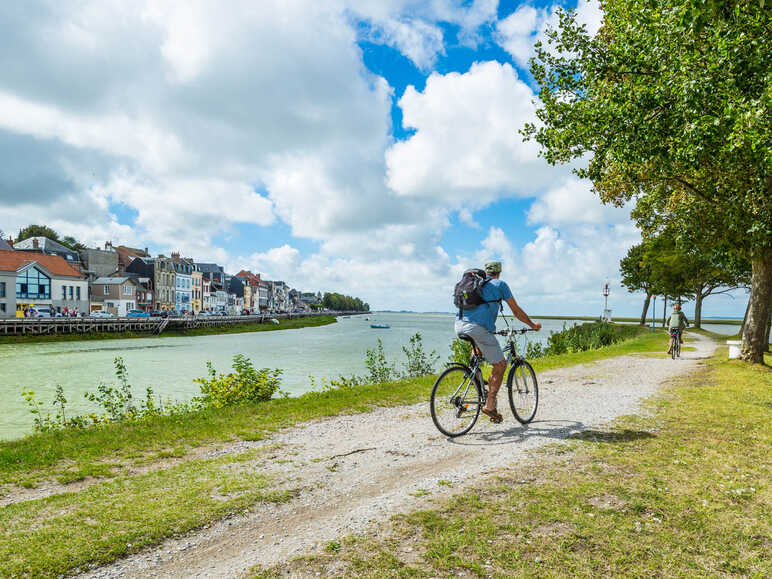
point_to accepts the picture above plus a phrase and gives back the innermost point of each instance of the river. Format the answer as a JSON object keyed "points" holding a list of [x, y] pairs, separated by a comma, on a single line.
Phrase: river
{"points": [[169, 365]]}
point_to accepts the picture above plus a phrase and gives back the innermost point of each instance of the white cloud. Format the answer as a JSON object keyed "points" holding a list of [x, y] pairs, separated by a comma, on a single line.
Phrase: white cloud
{"points": [[519, 32], [417, 40], [466, 148], [571, 202]]}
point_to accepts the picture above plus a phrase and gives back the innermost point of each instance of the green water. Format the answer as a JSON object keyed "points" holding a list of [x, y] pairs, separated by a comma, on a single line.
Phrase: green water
{"points": [[169, 365]]}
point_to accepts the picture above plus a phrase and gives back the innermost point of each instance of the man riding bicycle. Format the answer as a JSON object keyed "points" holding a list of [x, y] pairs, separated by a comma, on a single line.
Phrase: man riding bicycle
{"points": [[480, 324], [676, 324]]}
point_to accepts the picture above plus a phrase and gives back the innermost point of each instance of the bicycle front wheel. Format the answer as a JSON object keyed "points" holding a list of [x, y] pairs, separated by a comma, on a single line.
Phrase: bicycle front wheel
{"points": [[523, 391], [456, 401]]}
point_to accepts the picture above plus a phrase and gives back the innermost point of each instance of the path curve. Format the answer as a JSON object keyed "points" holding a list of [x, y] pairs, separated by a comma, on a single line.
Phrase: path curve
{"points": [[386, 460]]}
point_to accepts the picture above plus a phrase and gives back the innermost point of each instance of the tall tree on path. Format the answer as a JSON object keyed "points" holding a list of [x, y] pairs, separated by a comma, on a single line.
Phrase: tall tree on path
{"points": [[636, 275], [669, 106]]}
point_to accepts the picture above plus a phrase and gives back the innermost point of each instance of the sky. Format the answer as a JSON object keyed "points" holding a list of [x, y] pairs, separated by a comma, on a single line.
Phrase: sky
{"points": [[369, 147]]}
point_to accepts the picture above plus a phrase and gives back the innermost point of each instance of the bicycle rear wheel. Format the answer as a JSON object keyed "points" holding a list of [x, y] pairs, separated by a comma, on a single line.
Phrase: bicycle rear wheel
{"points": [[674, 349], [523, 391], [456, 401]]}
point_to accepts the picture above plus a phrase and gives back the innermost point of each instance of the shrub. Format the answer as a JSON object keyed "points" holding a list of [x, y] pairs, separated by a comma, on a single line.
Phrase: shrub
{"points": [[379, 368], [419, 363], [245, 384], [460, 352]]}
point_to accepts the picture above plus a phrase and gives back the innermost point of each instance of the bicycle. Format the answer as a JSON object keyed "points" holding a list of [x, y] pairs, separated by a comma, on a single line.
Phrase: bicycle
{"points": [[460, 391], [675, 350]]}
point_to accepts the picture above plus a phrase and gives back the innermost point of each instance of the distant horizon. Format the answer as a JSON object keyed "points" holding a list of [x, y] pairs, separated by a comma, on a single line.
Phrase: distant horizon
{"points": [[547, 316]]}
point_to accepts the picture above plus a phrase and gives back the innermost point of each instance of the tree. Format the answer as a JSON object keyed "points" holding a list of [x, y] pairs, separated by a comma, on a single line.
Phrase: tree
{"points": [[636, 275], [37, 231], [668, 104]]}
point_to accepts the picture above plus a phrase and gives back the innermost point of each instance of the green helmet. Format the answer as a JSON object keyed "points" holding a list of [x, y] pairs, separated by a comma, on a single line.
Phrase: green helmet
{"points": [[493, 266]]}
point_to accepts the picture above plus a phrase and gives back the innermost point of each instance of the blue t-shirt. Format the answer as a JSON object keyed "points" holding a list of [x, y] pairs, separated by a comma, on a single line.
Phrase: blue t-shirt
{"points": [[485, 314]]}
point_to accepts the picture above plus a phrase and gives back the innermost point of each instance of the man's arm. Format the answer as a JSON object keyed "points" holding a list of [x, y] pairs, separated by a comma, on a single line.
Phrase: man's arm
{"points": [[521, 315]]}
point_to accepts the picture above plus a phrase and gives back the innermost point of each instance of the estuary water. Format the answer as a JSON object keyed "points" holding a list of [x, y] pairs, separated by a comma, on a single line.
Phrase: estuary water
{"points": [[169, 365]]}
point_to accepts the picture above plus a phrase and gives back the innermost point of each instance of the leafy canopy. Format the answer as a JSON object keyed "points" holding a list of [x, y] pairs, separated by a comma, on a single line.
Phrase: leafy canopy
{"points": [[668, 105]]}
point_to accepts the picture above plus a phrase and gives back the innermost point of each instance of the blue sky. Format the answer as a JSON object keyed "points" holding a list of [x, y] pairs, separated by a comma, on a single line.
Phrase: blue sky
{"points": [[369, 147]]}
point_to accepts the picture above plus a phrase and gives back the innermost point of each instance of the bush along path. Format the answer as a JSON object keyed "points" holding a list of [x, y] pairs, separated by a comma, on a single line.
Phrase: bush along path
{"points": [[352, 472]]}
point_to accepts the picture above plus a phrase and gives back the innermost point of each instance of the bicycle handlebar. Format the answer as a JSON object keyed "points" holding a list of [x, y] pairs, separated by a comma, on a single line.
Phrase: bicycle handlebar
{"points": [[520, 331]]}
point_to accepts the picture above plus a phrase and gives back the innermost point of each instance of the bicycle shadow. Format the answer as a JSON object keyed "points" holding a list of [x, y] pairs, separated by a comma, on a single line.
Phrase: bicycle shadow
{"points": [[522, 432], [554, 429]]}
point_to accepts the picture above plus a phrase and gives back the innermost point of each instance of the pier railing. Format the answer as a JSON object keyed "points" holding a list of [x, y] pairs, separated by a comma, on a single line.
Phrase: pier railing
{"points": [[86, 325]]}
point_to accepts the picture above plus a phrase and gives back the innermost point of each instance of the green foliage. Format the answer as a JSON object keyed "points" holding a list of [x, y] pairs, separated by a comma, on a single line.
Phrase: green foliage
{"points": [[419, 363], [37, 231], [244, 385], [460, 352], [668, 107], [48, 423], [586, 337], [379, 368], [339, 302]]}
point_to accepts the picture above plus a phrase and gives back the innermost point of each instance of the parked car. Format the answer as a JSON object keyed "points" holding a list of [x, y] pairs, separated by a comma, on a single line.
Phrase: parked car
{"points": [[137, 314], [100, 314], [159, 314], [204, 314], [43, 312]]}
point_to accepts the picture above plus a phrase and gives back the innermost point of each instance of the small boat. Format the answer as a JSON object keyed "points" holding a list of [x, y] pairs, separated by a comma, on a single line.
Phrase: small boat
{"points": [[380, 326]]}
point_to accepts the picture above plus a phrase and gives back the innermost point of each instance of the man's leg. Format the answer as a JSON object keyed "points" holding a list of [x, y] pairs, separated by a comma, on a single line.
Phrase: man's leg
{"points": [[494, 384]]}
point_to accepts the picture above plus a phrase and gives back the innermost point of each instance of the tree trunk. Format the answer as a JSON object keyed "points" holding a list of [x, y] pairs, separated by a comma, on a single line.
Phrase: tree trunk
{"points": [[769, 325], [754, 333], [698, 309], [664, 311], [645, 308], [745, 317]]}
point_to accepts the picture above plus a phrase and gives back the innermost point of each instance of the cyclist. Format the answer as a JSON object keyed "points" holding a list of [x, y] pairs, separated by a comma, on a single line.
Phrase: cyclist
{"points": [[480, 324], [676, 324]]}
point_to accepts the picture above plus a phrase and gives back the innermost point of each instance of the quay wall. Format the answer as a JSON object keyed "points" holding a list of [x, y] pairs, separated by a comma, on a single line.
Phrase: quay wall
{"points": [[52, 326]]}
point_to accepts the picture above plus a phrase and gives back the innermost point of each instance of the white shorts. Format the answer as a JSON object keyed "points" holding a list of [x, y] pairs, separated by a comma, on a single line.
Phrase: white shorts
{"points": [[484, 339]]}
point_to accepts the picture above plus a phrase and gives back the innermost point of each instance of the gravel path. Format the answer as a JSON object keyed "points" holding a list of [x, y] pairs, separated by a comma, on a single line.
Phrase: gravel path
{"points": [[356, 471]]}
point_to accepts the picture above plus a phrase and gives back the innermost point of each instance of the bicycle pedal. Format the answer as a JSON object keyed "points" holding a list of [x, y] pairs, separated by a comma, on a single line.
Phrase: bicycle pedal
{"points": [[497, 420]]}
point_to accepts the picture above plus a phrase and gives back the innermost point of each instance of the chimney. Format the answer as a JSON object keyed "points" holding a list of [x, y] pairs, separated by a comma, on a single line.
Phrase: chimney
{"points": [[35, 244], [146, 253]]}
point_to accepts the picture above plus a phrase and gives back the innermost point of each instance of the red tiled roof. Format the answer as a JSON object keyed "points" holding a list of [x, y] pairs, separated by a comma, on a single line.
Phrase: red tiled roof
{"points": [[14, 260]]}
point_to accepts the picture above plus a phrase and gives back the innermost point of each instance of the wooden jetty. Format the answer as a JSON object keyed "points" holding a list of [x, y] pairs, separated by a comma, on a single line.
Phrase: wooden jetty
{"points": [[49, 326]]}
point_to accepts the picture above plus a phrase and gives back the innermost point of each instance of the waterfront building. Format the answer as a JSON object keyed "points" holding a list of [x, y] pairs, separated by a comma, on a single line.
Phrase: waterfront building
{"points": [[99, 262], [235, 295], [116, 295], [126, 255], [251, 283], [207, 297], [196, 289], [182, 269], [29, 279], [48, 247], [279, 296], [161, 270], [220, 297], [264, 292]]}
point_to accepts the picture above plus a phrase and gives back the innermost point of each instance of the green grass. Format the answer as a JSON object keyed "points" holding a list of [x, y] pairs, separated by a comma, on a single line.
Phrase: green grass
{"points": [[683, 493], [58, 534], [241, 328], [38, 457]]}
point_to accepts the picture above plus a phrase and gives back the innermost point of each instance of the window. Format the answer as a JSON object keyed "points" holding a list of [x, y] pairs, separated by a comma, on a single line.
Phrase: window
{"points": [[106, 290], [77, 293], [2, 308], [33, 284], [127, 290], [2, 289], [64, 292], [71, 292]]}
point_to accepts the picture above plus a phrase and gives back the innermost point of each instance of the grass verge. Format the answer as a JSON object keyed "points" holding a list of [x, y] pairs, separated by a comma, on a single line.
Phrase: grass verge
{"points": [[112, 519], [72, 455], [684, 493], [246, 327]]}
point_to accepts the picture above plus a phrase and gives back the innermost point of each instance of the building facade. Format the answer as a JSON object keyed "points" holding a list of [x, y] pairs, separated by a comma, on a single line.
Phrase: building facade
{"points": [[183, 269], [196, 290], [99, 262], [116, 295], [31, 280]]}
